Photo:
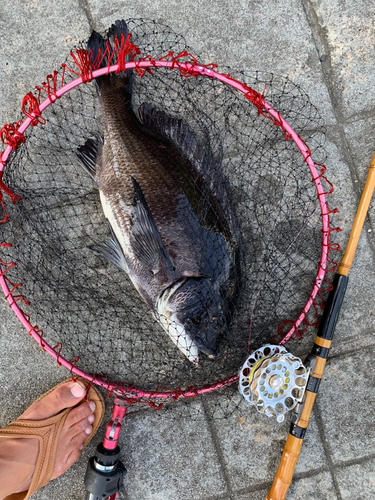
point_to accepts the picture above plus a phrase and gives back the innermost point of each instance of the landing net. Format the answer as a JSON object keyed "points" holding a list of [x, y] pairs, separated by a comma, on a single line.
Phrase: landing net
{"points": [[89, 315]]}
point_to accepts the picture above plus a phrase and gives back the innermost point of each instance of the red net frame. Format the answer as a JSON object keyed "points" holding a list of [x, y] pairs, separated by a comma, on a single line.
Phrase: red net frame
{"points": [[12, 135]]}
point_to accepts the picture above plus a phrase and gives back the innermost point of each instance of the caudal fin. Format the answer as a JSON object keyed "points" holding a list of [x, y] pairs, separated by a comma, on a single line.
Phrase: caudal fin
{"points": [[97, 45]]}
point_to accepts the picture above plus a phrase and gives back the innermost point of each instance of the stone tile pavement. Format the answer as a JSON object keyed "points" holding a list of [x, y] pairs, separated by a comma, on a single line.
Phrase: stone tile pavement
{"points": [[326, 46]]}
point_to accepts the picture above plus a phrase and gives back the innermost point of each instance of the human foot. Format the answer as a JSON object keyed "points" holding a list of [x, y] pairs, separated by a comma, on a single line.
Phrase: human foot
{"points": [[19, 455]]}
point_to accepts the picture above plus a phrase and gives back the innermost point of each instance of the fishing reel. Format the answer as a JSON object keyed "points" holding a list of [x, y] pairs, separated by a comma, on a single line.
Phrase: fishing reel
{"points": [[273, 380]]}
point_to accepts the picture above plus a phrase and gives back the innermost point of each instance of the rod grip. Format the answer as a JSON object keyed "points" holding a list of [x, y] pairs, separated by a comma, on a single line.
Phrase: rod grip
{"points": [[284, 473]]}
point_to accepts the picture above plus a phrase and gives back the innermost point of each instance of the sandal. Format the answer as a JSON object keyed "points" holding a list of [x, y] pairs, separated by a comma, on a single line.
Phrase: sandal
{"points": [[47, 432]]}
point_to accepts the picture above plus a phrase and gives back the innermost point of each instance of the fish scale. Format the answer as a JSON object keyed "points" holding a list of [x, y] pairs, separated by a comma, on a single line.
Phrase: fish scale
{"points": [[179, 249], [166, 201]]}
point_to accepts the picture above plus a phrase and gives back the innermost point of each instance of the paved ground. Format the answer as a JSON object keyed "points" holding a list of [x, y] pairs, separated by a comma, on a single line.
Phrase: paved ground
{"points": [[327, 46]]}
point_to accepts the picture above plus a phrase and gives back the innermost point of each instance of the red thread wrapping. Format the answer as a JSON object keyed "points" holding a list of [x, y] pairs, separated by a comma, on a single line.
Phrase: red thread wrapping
{"points": [[35, 328], [50, 87], [42, 343], [14, 197], [124, 49], [186, 67], [17, 298], [81, 59], [30, 108], [10, 136], [4, 212], [59, 345], [13, 285], [257, 99], [88, 387], [9, 264], [73, 364], [140, 71]]}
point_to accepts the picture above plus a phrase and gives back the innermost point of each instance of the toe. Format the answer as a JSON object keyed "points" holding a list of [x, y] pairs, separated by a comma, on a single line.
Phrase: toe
{"points": [[77, 441], [70, 456], [80, 413], [73, 457], [64, 396], [84, 425]]}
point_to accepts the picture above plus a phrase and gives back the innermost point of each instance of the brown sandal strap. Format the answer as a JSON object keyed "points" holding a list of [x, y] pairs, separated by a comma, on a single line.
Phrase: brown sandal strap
{"points": [[47, 432]]}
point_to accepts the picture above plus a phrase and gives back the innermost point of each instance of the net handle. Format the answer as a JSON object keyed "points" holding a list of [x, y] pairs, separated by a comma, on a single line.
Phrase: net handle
{"points": [[323, 341], [185, 68]]}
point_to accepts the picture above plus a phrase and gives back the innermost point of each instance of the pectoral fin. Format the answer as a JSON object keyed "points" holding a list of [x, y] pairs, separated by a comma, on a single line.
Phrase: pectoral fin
{"points": [[112, 251], [145, 239]]}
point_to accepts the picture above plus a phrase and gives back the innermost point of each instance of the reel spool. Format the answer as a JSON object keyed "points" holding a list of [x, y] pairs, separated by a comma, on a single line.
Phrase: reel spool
{"points": [[273, 380]]}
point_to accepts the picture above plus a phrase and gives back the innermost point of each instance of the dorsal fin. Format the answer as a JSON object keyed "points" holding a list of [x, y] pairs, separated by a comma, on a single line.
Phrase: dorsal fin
{"points": [[176, 130], [198, 152]]}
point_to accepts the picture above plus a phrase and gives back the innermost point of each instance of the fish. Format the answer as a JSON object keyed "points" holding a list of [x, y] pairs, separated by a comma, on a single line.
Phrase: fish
{"points": [[169, 231]]}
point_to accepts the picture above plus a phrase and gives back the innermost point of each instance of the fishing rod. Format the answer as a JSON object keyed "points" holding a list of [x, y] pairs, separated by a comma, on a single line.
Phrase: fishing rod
{"points": [[316, 361]]}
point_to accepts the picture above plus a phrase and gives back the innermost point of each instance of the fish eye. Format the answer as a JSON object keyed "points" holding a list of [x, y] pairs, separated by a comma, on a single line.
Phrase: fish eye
{"points": [[216, 322]]}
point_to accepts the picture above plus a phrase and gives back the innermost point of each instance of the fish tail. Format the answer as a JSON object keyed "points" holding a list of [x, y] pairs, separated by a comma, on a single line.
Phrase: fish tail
{"points": [[99, 45]]}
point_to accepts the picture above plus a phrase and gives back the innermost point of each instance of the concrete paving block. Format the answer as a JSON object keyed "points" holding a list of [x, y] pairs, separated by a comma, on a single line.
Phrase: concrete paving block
{"points": [[360, 137], [252, 35], [169, 457], [348, 30], [317, 487], [252, 445], [344, 196], [345, 402], [355, 321], [356, 315], [357, 482], [35, 38], [26, 371]]}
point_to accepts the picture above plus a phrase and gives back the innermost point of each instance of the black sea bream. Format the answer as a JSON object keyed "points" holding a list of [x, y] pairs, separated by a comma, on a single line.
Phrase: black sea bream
{"points": [[170, 232]]}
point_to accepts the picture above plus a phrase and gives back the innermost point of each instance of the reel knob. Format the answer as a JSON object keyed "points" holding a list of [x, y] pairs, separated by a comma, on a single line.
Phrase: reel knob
{"points": [[273, 380]]}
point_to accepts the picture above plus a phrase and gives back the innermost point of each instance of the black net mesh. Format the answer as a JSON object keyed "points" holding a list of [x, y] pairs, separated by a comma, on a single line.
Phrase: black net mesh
{"points": [[89, 305]]}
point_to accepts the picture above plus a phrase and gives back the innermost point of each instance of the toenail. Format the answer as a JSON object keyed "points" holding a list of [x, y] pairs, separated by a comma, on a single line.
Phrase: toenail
{"points": [[91, 419], [88, 430], [78, 391], [92, 405]]}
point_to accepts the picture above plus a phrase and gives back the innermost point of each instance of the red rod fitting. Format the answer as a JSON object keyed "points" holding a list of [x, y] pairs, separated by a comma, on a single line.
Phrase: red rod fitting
{"points": [[112, 432]]}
